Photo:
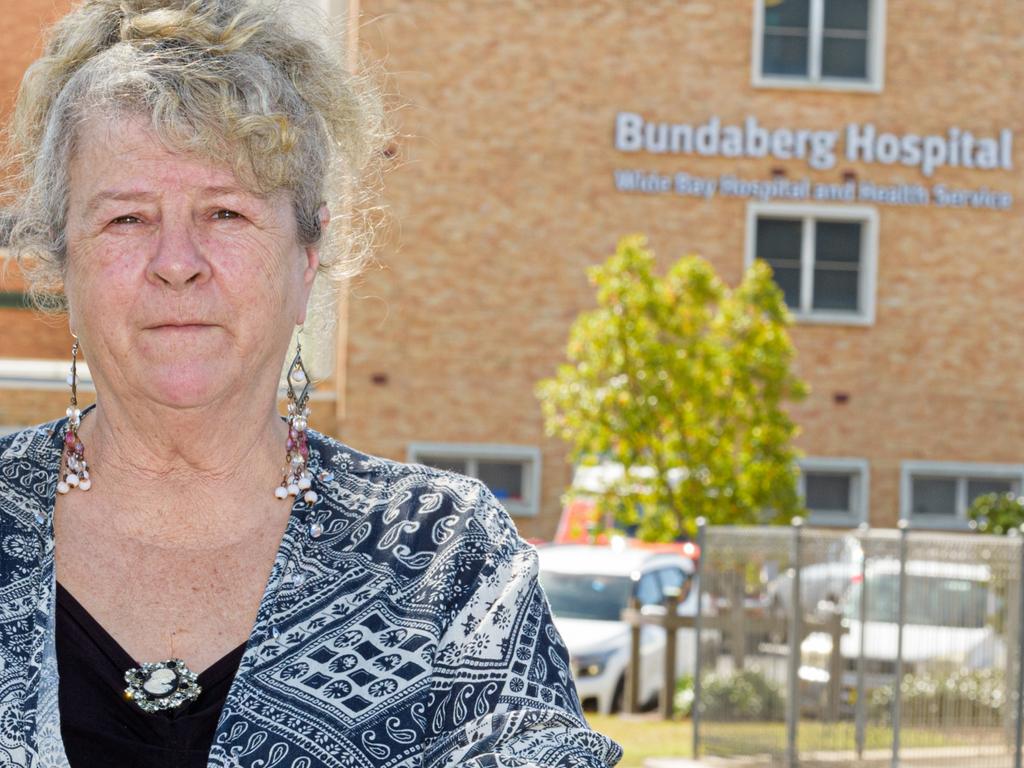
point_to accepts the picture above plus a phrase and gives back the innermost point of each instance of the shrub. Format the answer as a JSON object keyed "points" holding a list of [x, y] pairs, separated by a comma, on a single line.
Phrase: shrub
{"points": [[997, 513], [958, 697], [684, 696], [743, 695]]}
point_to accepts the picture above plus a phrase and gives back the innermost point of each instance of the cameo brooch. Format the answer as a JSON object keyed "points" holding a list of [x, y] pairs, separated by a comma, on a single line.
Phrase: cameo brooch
{"points": [[161, 685]]}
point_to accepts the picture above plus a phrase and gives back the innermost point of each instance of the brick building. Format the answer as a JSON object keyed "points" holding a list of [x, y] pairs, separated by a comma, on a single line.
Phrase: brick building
{"points": [[867, 149]]}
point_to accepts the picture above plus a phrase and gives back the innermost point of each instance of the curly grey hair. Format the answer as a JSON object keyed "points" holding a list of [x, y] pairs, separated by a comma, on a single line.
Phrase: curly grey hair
{"points": [[242, 82]]}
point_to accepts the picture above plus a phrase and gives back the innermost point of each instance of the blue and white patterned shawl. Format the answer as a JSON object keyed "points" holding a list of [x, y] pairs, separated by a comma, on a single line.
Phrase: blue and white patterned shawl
{"points": [[410, 632]]}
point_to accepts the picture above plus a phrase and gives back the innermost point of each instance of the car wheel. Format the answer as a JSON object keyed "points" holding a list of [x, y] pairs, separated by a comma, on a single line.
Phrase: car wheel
{"points": [[651, 704], [619, 697]]}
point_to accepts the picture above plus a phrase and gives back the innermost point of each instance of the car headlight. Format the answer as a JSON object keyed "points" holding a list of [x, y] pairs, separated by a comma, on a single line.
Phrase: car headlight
{"points": [[591, 664]]}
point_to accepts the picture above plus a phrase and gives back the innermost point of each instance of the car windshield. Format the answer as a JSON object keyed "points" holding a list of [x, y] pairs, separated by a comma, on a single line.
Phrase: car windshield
{"points": [[585, 596], [931, 601]]}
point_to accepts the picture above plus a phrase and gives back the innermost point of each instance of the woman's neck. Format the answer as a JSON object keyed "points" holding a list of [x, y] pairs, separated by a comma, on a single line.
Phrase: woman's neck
{"points": [[171, 464]]}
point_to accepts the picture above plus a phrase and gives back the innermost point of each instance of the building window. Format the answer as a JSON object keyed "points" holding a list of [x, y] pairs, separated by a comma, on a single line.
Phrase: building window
{"points": [[938, 494], [831, 44], [512, 472], [835, 491], [823, 258]]}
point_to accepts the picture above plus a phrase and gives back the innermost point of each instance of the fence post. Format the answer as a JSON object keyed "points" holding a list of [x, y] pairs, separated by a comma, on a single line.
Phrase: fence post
{"points": [[672, 595], [699, 576], [835, 664], [860, 706], [737, 619], [1019, 725], [796, 611], [633, 671], [901, 616]]}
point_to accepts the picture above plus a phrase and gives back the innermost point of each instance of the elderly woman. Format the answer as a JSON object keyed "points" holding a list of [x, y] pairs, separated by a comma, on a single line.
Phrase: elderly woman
{"points": [[187, 578]]}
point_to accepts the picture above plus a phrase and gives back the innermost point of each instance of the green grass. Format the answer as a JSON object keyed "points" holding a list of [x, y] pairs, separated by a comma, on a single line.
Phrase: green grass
{"points": [[644, 736]]}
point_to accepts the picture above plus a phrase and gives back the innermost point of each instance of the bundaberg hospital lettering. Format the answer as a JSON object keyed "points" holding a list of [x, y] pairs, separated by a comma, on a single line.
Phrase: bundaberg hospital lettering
{"points": [[820, 148]]}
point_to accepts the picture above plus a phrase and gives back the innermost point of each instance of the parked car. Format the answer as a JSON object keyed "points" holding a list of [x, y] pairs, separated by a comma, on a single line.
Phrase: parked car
{"points": [[946, 620], [588, 588], [823, 581]]}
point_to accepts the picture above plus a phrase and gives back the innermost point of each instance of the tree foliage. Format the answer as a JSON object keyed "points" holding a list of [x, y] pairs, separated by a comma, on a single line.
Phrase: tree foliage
{"points": [[682, 381]]}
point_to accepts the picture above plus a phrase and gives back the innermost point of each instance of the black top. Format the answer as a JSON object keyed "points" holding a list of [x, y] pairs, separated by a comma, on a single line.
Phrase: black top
{"points": [[100, 728]]}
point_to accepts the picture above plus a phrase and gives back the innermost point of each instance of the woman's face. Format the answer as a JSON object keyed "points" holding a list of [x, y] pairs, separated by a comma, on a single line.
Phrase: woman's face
{"points": [[183, 288]]}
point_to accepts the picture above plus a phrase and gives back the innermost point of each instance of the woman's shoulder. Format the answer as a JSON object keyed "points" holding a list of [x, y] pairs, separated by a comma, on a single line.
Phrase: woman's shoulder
{"points": [[433, 498], [29, 462], [36, 442], [334, 457]]}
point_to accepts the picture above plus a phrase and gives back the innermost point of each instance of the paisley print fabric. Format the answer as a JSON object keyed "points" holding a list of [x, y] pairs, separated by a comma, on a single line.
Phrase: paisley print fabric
{"points": [[402, 625]]}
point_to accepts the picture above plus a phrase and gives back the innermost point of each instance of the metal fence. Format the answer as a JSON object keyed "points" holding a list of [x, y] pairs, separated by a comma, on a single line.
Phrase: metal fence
{"points": [[880, 647]]}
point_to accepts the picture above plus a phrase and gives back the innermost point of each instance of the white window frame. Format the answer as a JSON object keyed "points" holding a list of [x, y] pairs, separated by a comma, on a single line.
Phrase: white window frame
{"points": [[952, 470], [814, 80], [40, 374], [866, 215], [859, 471], [471, 453]]}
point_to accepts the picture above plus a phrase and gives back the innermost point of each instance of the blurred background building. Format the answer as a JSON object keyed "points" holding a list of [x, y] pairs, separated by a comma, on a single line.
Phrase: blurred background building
{"points": [[867, 149]]}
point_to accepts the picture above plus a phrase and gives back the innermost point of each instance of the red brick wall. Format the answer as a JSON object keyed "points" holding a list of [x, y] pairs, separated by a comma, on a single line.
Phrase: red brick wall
{"points": [[23, 333], [502, 195]]}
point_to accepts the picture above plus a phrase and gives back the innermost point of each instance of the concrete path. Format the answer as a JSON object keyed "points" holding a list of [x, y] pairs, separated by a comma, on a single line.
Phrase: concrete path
{"points": [[979, 756]]}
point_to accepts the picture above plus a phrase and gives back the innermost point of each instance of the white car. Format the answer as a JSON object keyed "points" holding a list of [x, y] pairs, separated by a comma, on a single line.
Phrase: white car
{"points": [[947, 620], [588, 588], [827, 580]]}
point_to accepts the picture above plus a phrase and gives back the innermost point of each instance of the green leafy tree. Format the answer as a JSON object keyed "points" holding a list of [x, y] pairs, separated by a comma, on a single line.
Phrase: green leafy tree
{"points": [[997, 513], [682, 381]]}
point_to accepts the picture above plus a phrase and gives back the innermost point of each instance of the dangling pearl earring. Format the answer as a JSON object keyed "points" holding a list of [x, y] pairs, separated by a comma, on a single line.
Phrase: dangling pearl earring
{"points": [[74, 471], [296, 476]]}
